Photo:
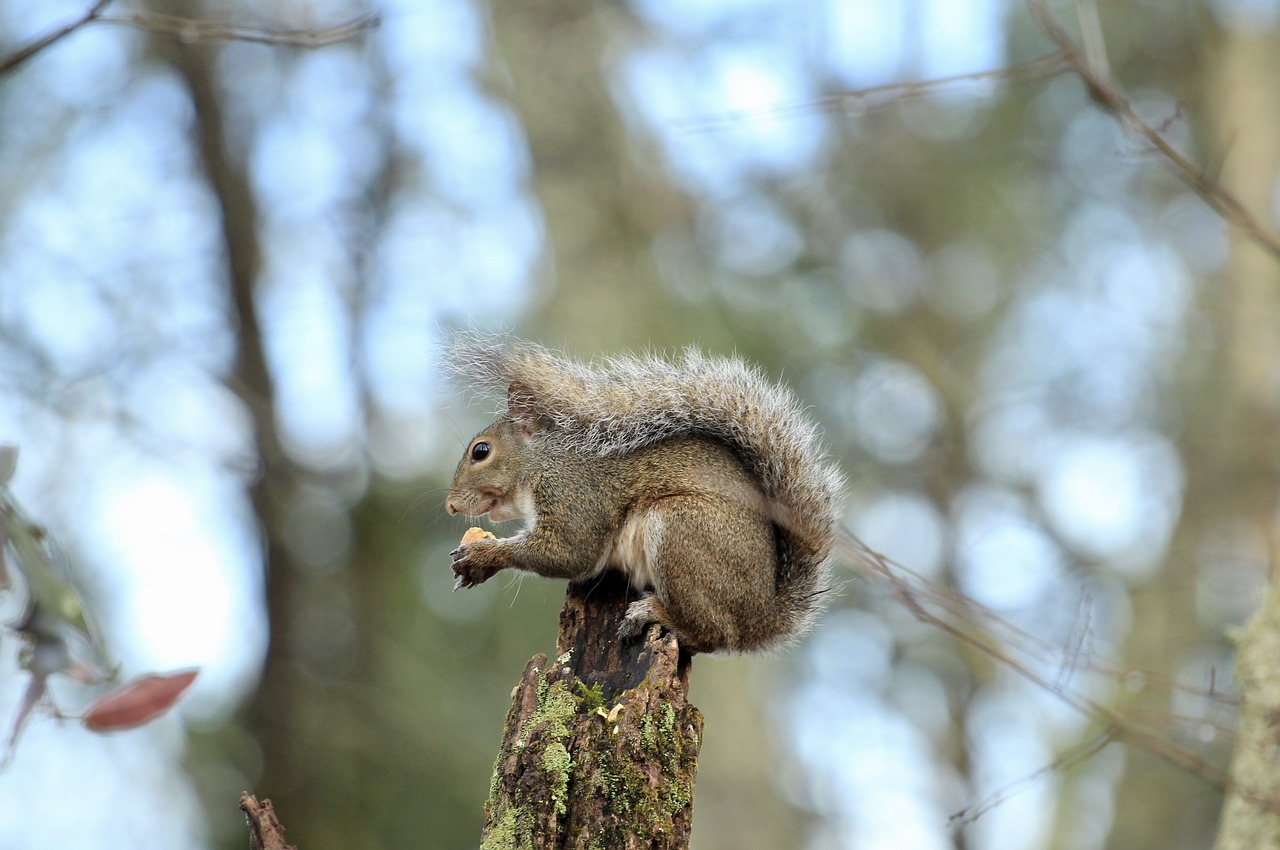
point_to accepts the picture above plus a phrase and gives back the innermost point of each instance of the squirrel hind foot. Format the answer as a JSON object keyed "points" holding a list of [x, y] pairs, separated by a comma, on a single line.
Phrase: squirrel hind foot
{"points": [[649, 611], [642, 613]]}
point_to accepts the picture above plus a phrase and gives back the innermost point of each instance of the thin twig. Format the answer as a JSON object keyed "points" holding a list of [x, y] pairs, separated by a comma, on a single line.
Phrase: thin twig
{"points": [[1083, 632], [191, 29], [1035, 69], [1070, 758], [913, 593], [1109, 97], [1095, 46], [22, 54], [854, 101]]}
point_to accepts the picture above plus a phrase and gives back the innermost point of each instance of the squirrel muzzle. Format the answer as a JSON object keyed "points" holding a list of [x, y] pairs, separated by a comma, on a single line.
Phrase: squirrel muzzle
{"points": [[499, 507], [469, 504]]}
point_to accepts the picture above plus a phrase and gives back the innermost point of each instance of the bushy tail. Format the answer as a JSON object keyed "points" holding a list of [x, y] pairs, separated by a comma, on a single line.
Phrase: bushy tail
{"points": [[614, 406]]}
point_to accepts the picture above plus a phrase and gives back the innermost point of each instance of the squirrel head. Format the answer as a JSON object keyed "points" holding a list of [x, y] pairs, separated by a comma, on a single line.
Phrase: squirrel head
{"points": [[490, 478]]}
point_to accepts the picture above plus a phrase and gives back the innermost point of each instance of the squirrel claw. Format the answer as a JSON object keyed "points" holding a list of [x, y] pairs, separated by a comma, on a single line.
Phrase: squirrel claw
{"points": [[468, 578], [468, 568]]}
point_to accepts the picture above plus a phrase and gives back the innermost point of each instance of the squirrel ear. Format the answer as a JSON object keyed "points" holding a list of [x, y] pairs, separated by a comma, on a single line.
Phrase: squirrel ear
{"points": [[523, 409]]}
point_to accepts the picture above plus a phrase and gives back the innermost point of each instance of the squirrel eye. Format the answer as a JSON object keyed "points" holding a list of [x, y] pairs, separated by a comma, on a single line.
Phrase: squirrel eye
{"points": [[480, 451]]}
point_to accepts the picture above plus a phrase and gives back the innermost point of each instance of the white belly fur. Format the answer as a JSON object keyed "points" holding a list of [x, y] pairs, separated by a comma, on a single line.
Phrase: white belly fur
{"points": [[634, 548]]}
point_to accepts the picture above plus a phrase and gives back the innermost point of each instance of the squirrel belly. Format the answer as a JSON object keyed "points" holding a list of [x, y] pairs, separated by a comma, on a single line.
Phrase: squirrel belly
{"points": [[699, 480]]}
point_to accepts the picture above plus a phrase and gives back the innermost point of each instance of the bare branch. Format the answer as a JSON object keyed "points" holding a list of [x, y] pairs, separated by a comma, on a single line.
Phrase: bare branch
{"points": [[961, 618], [1090, 64], [1095, 46], [22, 54], [860, 99], [1101, 89], [1071, 757], [191, 29], [265, 830], [1025, 72]]}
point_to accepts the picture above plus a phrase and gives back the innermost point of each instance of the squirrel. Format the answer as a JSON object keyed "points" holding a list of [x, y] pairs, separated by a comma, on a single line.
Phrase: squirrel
{"points": [[698, 479]]}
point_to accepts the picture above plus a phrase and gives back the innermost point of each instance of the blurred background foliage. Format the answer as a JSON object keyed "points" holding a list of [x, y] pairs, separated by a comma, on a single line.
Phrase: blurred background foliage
{"points": [[1049, 369]]}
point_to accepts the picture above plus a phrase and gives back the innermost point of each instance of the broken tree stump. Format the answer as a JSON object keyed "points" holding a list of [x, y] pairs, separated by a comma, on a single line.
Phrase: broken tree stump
{"points": [[600, 747]]}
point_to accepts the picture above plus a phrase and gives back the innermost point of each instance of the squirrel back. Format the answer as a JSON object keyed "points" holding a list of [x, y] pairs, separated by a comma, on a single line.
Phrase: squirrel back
{"points": [[619, 406]]}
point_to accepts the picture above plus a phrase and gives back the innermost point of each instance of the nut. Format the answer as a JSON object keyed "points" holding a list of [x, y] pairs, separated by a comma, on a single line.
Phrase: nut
{"points": [[475, 533]]}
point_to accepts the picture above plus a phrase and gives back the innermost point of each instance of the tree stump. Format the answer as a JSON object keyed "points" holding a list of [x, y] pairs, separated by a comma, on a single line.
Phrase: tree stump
{"points": [[600, 747]]}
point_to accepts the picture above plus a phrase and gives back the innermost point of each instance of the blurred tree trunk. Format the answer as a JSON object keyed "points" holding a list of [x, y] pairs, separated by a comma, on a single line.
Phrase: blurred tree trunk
{"points": [[1247, 68], [1251, 815], [273, 714], [251, 381], [1228, 448], [601, 211]]}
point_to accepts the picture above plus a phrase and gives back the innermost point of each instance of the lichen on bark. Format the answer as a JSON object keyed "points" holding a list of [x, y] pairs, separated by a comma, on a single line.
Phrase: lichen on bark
{"points": [[1251, 813], [600, 747]]}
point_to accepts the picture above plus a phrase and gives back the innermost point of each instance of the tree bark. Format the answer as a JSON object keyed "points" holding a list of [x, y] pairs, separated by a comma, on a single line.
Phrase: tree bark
{"points": [[1251, 816], [600, 747], [265, 830], [1247, 65]]}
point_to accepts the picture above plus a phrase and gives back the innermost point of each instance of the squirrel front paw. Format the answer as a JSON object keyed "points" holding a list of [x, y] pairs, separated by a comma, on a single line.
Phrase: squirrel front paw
{"points": [[470, 566]]}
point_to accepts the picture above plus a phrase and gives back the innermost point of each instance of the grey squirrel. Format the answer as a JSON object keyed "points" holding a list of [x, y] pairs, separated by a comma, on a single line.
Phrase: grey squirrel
{"points": [[701, 481]]}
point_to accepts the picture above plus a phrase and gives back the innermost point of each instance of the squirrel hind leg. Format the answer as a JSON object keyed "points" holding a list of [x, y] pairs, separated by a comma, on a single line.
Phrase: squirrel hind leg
{"points": [[714, 572], [648, 610]]}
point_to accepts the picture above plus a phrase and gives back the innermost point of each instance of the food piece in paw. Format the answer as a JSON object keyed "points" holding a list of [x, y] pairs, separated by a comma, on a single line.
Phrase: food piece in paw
{"points": [[475, 533]]}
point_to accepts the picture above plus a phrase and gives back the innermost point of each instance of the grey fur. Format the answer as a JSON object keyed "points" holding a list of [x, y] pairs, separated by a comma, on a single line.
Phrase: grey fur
{"points": [[618, 405]]}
